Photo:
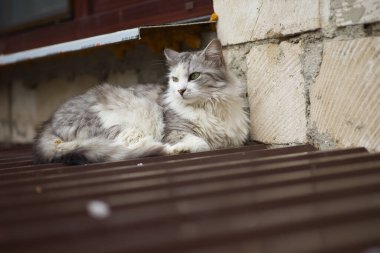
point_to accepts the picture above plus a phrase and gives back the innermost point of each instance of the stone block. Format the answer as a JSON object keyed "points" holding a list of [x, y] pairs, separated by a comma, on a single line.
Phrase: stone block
{"points": [[24, 113], [245, 20], [345, 100], [353, 12], [235, 58], [325, 12], [275, 86]]}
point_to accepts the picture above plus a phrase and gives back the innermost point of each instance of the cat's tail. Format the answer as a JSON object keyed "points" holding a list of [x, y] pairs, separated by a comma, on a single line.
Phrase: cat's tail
{"points": [[91, 151]]}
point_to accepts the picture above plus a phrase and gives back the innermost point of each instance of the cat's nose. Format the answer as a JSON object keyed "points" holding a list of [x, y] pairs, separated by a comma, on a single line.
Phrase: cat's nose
{"points": [[181, 91]]}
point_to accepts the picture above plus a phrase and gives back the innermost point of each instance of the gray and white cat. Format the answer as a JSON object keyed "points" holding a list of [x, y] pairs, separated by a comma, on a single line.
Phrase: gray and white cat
{"points": [[203, 108]]}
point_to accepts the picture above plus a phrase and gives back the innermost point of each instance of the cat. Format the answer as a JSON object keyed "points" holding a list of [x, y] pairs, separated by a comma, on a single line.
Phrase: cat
{"points": [[203, 108]]}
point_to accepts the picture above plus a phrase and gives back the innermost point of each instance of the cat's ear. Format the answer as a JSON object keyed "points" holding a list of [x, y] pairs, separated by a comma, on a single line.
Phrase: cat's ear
{"points": [[214, 53], [172, 57]]}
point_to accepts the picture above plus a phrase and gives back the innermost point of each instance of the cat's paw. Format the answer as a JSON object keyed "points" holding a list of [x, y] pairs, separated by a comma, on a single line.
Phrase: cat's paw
{"points": [[178, 148]]}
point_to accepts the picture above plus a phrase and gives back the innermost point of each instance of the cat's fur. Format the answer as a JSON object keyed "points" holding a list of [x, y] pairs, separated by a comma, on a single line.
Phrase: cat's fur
{"points": [[109, 123]]}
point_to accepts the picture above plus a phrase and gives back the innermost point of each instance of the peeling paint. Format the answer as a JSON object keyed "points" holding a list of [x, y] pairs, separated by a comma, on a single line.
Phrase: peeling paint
{"points": [[353, 12]]}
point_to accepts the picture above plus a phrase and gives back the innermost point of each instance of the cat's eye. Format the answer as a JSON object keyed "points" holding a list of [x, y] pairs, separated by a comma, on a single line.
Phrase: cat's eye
{"points": [[175, 79], [194, 76]]}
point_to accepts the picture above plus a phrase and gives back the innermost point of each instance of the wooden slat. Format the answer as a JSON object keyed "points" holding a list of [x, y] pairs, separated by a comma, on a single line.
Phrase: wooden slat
{"points": [[181, 173], [15, 167], [209, 191], [249, 199], [149, 171], [203, 194]]}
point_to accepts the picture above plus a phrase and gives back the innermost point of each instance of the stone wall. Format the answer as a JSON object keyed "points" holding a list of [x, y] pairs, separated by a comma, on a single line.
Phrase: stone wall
{"points": [[312, 68]]}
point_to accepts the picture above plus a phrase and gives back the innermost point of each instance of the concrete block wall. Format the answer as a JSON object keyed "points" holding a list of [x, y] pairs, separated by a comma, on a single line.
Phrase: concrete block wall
{"points": [[312, 68]]}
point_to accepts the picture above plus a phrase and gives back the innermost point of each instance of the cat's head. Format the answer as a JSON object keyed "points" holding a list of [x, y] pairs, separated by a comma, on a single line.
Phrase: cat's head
{"points": [[197, 76]]}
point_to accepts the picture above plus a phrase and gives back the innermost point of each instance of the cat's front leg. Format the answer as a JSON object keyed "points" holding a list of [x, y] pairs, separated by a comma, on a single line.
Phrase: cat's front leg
{"points": [[188, 144]]}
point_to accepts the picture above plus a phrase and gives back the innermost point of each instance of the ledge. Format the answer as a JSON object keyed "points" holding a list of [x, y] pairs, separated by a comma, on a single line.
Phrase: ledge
{"points": [[90, 42]]}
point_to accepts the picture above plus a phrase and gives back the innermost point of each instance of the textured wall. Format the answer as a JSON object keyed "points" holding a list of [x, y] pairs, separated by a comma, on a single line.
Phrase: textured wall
{"points": [[345, 99], [311, 68]]}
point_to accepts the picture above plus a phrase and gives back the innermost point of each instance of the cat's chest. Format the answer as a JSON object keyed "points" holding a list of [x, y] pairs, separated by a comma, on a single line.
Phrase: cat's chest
{"points": [[220, 130], [207, 122]]}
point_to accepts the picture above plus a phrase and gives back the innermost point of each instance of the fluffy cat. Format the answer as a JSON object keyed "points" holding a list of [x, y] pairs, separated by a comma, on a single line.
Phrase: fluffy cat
{"points": [[203, 108]]}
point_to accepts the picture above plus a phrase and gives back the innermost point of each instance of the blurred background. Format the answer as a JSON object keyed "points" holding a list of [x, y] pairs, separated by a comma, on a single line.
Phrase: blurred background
{"points": [[31, 89]]}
